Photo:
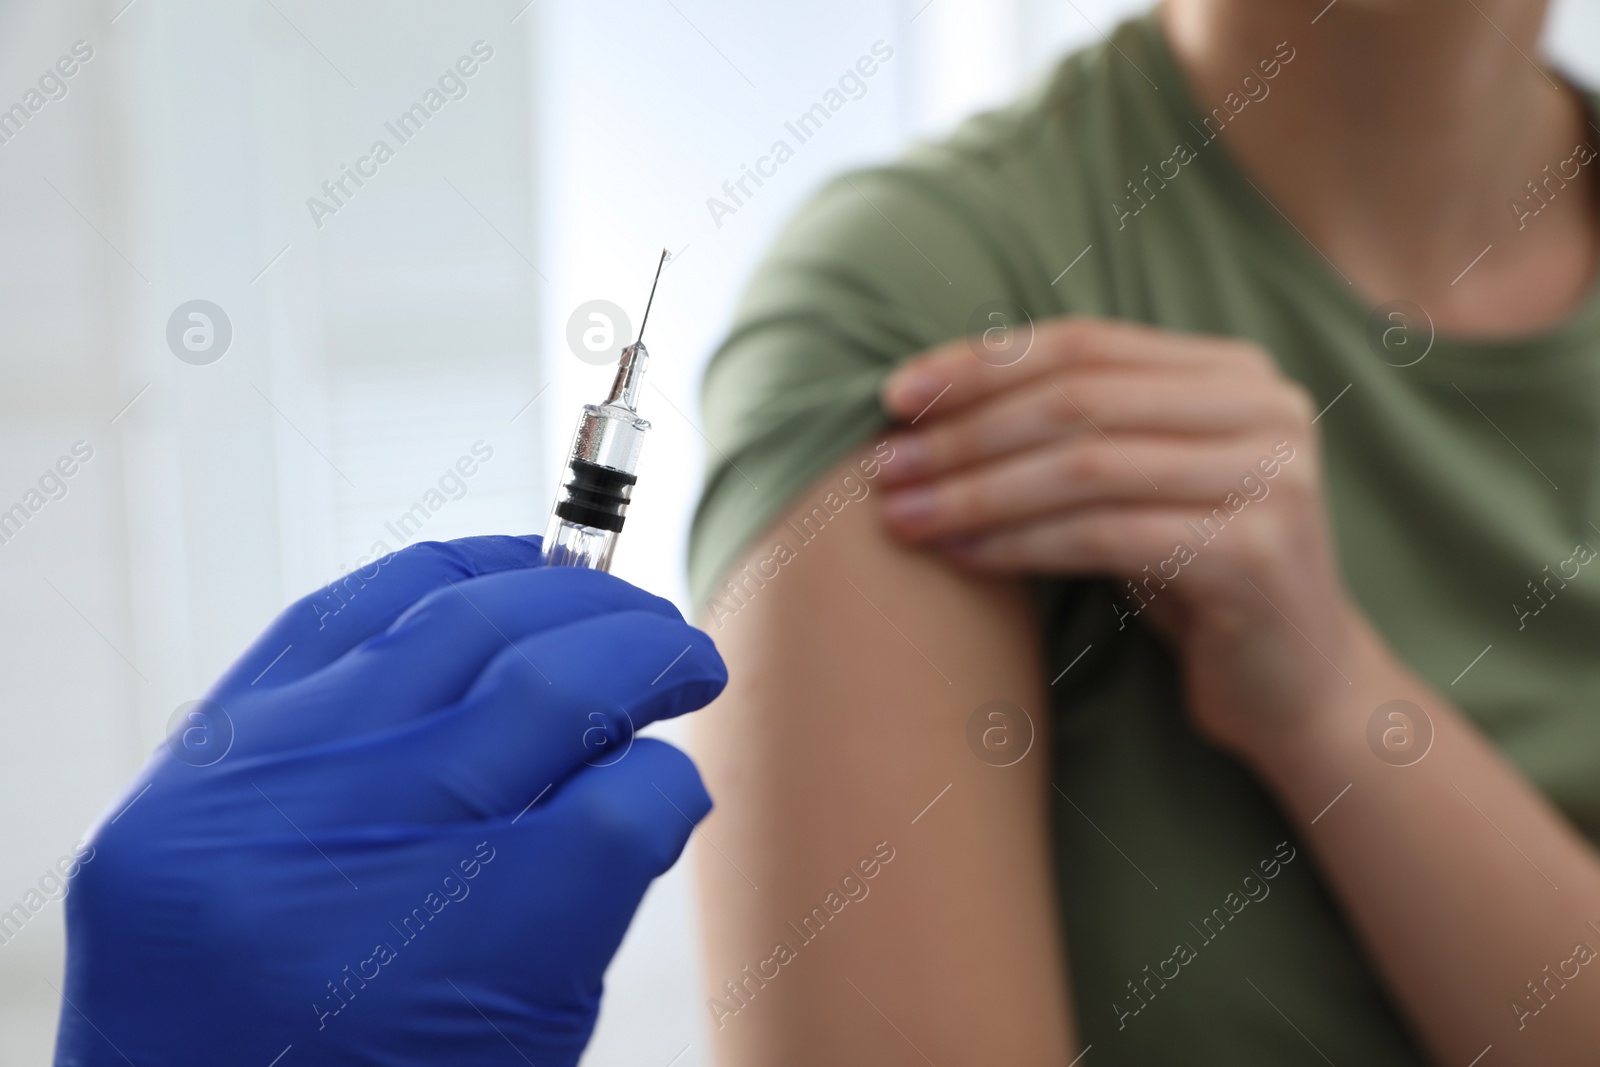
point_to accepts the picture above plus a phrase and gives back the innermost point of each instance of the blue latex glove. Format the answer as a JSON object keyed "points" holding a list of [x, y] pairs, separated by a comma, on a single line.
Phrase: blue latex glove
{"points": [[429, 831]]}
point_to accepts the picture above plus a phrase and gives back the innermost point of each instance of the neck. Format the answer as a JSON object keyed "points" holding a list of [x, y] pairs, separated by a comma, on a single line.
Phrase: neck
{"points": [[1399, 137]]}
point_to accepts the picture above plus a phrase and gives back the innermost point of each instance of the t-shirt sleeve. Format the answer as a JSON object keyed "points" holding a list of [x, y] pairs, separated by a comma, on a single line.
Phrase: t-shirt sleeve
{"points": [[878, 267]]}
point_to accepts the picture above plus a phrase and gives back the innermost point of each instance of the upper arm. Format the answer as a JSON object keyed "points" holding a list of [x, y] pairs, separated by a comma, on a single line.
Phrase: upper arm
{"points": [[855, 665]]}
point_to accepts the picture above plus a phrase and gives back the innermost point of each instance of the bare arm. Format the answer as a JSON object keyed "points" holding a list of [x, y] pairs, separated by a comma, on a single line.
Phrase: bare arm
{"points": [[842, 738], [1478, 901]]}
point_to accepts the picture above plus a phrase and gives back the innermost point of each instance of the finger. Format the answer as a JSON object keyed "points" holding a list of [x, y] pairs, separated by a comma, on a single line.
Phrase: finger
{"points": [[519, 732], [1142, 542], [1086, 470], [431, 655], [1081, 401], [584, 857], [591, 849], [954, 377], [643, 808], [322, 626]]}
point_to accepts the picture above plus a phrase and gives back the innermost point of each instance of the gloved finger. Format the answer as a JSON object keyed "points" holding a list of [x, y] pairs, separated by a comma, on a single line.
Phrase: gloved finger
{"points": [[519, 732], [558, 890], [430, 657], [631, 818], [318, 628], [400, 941]]}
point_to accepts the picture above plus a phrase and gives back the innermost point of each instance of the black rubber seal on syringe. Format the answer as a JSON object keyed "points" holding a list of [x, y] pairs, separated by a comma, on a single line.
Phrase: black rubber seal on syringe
{"points": [[596, 496]]}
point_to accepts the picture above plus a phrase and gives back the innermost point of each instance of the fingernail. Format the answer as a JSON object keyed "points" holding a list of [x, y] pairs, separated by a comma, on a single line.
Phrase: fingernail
{"points": [[907, 392], [910, 507]]}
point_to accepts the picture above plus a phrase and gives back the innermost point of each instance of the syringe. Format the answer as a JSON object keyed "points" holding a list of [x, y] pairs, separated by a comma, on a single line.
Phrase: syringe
{"points": [[592, 504]]}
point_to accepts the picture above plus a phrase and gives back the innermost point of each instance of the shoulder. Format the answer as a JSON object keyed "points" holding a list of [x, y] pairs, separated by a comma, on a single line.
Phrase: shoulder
{"points": [[888, 261], [988, 209]]}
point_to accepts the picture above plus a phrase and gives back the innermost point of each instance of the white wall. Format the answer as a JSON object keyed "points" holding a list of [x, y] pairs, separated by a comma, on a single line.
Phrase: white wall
{"points": [[370, 352]]}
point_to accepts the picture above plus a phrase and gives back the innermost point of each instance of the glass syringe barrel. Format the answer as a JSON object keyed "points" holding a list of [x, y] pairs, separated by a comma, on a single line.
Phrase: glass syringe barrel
{"points": [[600, 474]]}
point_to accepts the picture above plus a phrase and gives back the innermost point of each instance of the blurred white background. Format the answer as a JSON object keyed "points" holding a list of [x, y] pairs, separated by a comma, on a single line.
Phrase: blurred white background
{"points": [[426, 315]]}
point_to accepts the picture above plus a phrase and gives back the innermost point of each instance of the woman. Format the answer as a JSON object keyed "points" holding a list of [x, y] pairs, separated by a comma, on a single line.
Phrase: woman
{"points": [[1260, 347]]}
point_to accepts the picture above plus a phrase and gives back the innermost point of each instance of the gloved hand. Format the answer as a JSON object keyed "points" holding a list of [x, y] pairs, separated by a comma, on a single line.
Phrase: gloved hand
{"points": [[428, 828]]}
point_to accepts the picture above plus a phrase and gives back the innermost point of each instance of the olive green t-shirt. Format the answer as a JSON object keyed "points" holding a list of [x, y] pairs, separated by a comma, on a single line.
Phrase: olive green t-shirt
{"points": [[1461, 478]]}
